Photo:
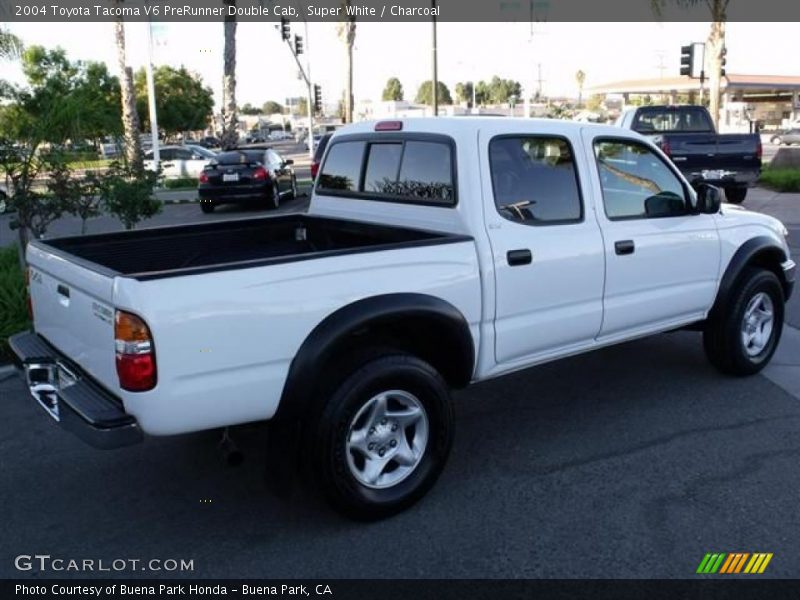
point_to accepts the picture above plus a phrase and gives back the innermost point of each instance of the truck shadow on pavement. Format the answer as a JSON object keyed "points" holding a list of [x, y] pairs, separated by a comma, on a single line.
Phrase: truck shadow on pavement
{"points": [[627, 452]]}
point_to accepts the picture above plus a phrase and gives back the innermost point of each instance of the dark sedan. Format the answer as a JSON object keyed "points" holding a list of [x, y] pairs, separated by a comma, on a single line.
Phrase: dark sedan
{"points": [[258, 177]]}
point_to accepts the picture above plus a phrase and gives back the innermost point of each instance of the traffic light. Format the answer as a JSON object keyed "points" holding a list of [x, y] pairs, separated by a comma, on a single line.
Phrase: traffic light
{"points": [[285, 29], [317, 98], [687, 59], [298, 45], [723, 53]]}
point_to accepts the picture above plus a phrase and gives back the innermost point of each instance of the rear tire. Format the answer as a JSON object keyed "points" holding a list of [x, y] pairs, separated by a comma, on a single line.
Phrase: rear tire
{"points": [[777, 140], [294, 187], [735, 195], [382, 436], [742, 337], [207, 206], [275, 197]]}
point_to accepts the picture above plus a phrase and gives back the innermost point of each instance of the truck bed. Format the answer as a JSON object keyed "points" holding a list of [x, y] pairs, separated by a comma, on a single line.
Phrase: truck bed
{"points": [[186, 250]]}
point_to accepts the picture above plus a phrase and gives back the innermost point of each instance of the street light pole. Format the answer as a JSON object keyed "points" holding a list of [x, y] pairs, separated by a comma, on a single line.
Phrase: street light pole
{"points": [[151, 96], [435, 66]]}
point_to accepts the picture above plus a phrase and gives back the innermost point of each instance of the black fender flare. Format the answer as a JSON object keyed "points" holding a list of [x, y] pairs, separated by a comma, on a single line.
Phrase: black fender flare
{"points": [[742, 258], [319, 346]]}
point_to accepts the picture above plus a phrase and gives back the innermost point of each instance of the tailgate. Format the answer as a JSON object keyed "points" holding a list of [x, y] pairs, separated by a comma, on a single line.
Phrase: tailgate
{"points": [[73, 310], [697, 152]]}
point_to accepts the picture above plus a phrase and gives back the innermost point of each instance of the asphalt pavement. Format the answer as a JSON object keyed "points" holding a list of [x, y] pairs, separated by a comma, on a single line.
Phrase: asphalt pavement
{"points": [[633, 461]]}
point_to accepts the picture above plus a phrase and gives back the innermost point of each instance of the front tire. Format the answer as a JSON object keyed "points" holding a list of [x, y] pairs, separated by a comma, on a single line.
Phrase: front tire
{"points": [[743, 336], [735, 195], [383, 437], [207, 206]]}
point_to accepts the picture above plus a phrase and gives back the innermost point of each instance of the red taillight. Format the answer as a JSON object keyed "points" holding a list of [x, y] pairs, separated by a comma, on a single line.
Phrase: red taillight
{"points": [[260, 174], [314, 169], [665, 147], [389, 126], [759, 149], [136, 359], [203, 178]]}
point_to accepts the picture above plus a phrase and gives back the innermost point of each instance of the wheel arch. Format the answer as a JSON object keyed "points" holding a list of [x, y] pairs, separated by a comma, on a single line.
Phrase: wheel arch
{"points": [[423, 325], [759, 251]]}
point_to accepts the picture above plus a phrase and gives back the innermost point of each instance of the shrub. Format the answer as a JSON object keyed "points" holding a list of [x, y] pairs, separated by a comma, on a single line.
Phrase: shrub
{"points": [[13, 299], [781, 179], [180, 183]]}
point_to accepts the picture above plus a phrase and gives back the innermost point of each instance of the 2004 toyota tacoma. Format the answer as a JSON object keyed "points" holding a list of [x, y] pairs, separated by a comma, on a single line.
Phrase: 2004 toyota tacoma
{"points": [[435, 253]]}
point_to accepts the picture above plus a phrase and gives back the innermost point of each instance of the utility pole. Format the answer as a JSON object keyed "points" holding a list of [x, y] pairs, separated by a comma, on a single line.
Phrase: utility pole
{"points": [[435, 66]]}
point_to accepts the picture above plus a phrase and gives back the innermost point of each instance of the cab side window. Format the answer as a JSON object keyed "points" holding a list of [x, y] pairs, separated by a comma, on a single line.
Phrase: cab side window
{"points": [[534, 179], [636, 182]]}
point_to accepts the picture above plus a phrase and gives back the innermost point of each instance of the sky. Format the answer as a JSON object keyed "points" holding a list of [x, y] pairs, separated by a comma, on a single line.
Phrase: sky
{"points": [[466, 51]]}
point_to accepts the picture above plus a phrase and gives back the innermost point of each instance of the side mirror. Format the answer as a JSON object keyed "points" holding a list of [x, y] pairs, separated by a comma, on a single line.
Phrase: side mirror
{"points": [[288, 161], [709, 199]]}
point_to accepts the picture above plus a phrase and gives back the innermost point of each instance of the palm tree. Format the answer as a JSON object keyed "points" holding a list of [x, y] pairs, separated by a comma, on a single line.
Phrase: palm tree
{"points": [[10, 45], [580, 77], [230, 133], [715, 46], [347, 33], [130, 118]]}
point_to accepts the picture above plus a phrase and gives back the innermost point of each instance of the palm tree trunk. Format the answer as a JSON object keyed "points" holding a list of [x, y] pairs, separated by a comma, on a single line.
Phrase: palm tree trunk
{"points": [[714, 50], [349, 99], [130, 118], [230, 133]]}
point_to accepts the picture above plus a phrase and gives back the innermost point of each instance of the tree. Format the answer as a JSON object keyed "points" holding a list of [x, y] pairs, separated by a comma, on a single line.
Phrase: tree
{"points": [[130, 118], [230, 121], [464, 92], [271, 107], [128, 195], [425, 93], [501, 90], [249, 109], [10, 45], [75, 195], [393, 90], [715, 46], [62, 101], [580, 78], [183, 103], [347, 33]]}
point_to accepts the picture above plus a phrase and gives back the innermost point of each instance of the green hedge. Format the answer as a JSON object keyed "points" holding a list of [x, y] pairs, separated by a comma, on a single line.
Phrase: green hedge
{"points": [[13, 299], [781, 179], [180, 183]]}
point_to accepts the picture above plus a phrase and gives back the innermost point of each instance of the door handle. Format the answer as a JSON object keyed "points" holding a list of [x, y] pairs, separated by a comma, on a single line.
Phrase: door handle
{"points": [[624, 247], [519, 257]]}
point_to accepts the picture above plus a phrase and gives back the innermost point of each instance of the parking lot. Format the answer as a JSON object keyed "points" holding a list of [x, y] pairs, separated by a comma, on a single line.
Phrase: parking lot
{"points": [[633, 461]]}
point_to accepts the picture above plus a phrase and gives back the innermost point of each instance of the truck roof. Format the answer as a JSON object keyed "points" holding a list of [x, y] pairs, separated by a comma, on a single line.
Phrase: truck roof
{"points": [[461, 125]]}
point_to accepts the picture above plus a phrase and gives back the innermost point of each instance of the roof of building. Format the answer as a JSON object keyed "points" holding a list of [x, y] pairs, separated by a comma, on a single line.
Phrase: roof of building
{"points": [[667, 84]]}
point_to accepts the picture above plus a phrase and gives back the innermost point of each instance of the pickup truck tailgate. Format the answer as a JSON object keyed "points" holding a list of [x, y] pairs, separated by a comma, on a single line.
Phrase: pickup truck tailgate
{"points": [[73, 310], [702, 151]]}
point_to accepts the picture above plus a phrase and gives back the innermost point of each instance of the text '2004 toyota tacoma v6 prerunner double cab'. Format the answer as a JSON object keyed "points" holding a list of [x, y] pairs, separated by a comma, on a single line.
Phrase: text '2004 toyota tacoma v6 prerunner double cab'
{"points": [[436, 253]]}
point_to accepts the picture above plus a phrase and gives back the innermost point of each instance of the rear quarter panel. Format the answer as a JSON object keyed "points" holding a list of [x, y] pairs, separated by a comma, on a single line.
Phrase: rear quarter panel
{"points": [[224, 340]]}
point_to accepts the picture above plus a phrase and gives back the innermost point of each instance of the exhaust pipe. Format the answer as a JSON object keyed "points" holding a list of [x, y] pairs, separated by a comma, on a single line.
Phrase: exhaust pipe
{"points": [[231, 454]]}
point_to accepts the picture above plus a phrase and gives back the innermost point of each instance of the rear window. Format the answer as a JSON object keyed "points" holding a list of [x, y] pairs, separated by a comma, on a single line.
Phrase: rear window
{"points": [[396, 169], [670, 119], [342, 167], [237, 157]]}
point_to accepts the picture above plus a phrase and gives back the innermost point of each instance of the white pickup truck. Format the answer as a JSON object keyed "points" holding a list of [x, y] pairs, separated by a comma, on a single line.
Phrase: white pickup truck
{"points": [[435, 253]]}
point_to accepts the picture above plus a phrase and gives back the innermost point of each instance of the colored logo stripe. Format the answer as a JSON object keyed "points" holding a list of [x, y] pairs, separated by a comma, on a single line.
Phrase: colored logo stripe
{"points": [[734, 562]]}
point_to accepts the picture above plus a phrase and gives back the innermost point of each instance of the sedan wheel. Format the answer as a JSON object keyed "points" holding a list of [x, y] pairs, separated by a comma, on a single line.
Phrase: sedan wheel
{"points": [[276, 196]]}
